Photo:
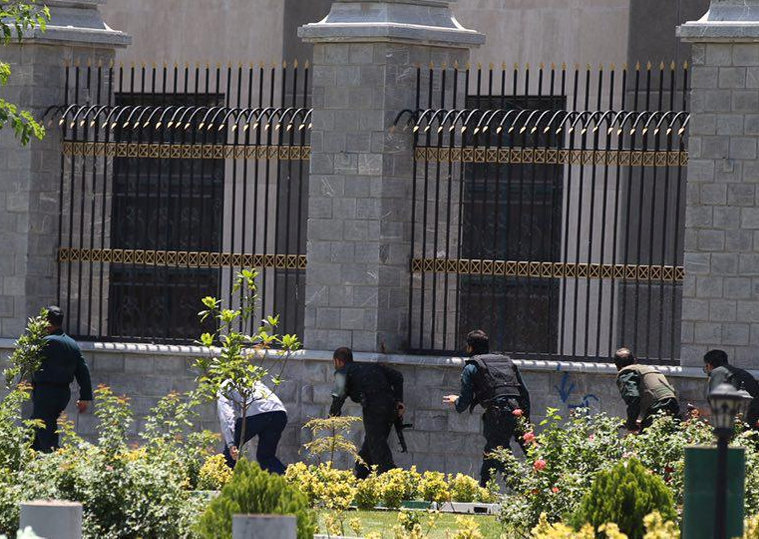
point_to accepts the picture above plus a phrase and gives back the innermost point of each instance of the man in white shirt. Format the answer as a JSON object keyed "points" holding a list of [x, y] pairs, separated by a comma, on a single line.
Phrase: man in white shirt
{"points": [[266, 418]]}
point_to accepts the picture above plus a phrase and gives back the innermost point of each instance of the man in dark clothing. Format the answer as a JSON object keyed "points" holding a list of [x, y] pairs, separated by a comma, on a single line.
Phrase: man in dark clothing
{"points": [[645, 390], [720, 372], [379, 389], [492, 381], [62, 362]]}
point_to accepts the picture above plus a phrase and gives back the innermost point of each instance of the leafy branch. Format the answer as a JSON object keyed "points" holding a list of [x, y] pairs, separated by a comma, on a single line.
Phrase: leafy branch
{"points": [[27, 354], [17, 18]]}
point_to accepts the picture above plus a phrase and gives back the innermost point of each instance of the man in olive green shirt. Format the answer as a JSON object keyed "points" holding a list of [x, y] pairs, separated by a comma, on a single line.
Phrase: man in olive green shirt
{"points": [[719, 372], [645, 391]]}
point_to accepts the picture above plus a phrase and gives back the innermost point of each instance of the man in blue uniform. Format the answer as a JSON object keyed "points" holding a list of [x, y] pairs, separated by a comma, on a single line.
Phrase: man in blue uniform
{"points": [[62, 362], [379, 389], [492, 381]]}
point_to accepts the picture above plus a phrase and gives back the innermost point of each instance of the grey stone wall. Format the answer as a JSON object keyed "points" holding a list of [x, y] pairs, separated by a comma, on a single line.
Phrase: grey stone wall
{"points": [[441, 439], [30, 179], [720, 302]]}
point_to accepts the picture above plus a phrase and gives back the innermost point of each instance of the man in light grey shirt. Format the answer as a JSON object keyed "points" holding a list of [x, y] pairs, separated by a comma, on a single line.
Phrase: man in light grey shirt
{"points": [[266, 418]]}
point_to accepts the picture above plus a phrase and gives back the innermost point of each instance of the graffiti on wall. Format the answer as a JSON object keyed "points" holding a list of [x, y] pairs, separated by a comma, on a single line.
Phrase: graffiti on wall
{"points": [[571, 399]]}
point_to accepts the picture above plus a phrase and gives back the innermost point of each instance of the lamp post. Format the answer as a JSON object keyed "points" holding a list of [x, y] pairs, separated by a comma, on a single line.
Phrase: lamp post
{"points": [[726, 402]]}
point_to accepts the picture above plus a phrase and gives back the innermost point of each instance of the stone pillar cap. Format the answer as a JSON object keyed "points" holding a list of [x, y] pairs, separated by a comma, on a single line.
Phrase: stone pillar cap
{"points": [[726, 20], [78, 22], [428, 22]]}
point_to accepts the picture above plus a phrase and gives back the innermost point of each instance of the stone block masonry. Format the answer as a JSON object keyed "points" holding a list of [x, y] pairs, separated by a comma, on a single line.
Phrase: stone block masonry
{"points": [[359, 227], [440, 440], [720, 301]]}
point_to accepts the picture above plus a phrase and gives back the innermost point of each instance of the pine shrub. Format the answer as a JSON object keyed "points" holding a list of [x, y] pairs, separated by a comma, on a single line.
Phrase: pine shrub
{"points": [[254, 491], [625, 495]]}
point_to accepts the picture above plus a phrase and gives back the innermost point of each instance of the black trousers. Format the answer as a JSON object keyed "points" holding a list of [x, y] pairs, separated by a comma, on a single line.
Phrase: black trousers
{"points": [[48, 402], [268, 427], [379, 415], [667, 406], [498, 426]]}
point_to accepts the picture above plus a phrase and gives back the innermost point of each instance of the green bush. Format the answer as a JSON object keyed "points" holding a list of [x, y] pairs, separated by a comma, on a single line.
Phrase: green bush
{"points": [[253, 490], [625, 495]]}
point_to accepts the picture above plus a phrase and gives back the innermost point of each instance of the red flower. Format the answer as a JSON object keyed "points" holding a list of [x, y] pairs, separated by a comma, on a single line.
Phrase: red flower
{"points": [[517, 413], [668, 469], [592, 437], [539, 464], [555, 490], [528, 437]]}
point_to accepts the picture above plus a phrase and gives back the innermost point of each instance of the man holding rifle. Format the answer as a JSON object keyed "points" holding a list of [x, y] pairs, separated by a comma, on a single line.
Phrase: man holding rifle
{"points": [[379, 389]]}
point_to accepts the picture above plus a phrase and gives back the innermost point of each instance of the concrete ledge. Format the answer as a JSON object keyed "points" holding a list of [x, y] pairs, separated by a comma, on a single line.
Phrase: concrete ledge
{"points": [[78, 22], [726, 20], [527, 365]]}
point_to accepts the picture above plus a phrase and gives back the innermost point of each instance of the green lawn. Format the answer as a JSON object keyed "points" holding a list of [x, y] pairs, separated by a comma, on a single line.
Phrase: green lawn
{"points": [[383, 522]]}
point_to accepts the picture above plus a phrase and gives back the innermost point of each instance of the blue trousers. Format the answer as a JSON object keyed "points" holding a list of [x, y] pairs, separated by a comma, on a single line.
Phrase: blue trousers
{"points": [[268, 427]]}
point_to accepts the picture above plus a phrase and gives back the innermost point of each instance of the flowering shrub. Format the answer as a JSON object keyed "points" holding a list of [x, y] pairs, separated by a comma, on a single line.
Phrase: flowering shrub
{"points": [[433, 487], [565, 456], [398, 485], [463, 488], [368, 492], [125, 491], [656, 528], [214, 473]]}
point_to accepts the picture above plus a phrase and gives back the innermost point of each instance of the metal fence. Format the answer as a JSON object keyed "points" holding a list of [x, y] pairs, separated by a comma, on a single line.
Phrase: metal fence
{"points": [[549, 209], [173, 178]]}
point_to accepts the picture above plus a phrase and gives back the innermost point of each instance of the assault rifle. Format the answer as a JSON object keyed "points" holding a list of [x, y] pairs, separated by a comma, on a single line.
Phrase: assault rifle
{"points": [[399, 426]]}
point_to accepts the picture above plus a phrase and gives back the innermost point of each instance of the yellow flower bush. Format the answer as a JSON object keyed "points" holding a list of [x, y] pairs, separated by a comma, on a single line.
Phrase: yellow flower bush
{"points": [[398, 485], [468, 529], [656, 528], [369, 491], [463, 488], [434, 488], [214, 473]]}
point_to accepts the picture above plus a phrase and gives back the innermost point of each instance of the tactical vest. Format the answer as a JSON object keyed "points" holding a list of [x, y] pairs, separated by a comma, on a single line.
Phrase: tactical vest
{"points": [[366, 380], [653, 386], [496, 378]]}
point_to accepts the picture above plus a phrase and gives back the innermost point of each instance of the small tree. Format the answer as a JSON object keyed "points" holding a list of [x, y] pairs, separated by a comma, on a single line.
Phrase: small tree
{"points": [[28, 351], [236, 349], [17, 17], [329, 437]]}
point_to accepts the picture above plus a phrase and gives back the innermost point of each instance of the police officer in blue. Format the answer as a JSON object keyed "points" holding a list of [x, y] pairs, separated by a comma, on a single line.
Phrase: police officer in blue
{"points": [[62, 362], [379, 389], [492, 381]]}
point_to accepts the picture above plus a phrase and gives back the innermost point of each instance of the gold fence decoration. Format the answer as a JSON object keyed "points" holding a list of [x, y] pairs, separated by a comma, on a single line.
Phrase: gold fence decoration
{"points": [[179, 259], [550, 270], [185, 151], [548, 156]]}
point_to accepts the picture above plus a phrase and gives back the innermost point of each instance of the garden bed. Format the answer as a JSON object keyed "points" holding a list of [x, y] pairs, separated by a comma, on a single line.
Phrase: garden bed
{"points": [[382, 522]]}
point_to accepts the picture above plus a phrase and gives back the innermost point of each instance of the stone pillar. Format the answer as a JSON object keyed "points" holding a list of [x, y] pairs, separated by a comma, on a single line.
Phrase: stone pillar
{"points": [[359, 228], [52, 518], [721, 289], [264, 527], [30, 177]]}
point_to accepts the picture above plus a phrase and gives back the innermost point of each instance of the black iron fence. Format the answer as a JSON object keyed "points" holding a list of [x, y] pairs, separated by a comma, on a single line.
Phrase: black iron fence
{"points": [[549, 209], [173, 178]]}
